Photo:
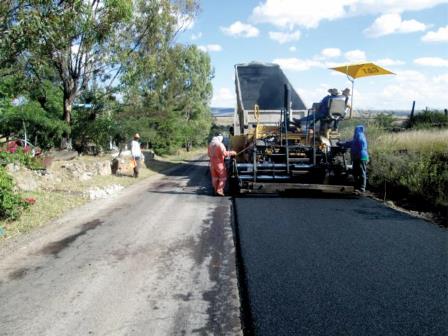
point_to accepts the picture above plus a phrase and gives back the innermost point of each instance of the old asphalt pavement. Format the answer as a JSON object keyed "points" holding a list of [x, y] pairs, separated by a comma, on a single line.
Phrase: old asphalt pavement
{"points": [[159, 259]]}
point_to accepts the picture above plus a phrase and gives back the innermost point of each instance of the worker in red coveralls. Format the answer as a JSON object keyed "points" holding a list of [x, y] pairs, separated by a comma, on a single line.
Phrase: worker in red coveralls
{"points": [[217, 153]]}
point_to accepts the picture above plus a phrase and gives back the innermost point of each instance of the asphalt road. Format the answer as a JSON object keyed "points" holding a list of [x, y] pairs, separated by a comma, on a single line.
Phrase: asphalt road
{"points": [[157, 259], [341, 267]]}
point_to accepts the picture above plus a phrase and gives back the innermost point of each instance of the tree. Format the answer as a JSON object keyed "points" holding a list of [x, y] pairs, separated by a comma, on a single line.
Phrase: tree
{"points": [[73, 38], [59, 53], [172, 99], [77, 42]]}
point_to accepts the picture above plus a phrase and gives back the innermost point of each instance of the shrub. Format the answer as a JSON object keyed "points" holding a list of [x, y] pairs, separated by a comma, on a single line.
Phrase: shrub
{"points": [[428, 119], [11, 205], [384, 120], [414, 162], [20, 157]]}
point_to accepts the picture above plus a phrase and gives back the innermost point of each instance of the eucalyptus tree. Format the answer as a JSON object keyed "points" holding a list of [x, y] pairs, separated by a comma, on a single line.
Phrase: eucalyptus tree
{"points": [[77, 43]]}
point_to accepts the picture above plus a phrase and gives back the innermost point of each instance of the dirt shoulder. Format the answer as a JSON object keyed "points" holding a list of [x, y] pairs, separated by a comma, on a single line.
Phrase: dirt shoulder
{"points": [[66, 185]]}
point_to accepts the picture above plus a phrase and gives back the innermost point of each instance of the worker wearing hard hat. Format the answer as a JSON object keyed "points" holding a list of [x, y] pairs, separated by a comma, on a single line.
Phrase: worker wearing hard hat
{"points": [[136, 153], [217, 153], [322, 112]]}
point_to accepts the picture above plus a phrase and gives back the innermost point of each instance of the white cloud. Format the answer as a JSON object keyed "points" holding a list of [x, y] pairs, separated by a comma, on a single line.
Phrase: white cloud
{"points": [[386, 92], [392, 23], [239, 29], [441, 35], [389, 62], [197, 36], [355, 55], [284, 37], [432, 61], [331, 52], [223, 97], [210, 47], [292, 49], [290, 13], [441, 78], [408, 86], [308, 14], [296, 64], [362, 7]]}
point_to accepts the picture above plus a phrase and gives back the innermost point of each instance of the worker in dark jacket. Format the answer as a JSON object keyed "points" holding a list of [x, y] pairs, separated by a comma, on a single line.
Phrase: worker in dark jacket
{"points": [[323, 111], [360, 157]]}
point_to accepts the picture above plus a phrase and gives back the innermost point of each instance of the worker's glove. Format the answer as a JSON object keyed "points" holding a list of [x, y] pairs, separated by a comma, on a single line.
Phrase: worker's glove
{"points": [[232, 153]]}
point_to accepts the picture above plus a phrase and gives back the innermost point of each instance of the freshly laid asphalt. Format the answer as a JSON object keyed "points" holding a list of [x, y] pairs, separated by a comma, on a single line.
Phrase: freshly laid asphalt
{"points": [[314, 266]]}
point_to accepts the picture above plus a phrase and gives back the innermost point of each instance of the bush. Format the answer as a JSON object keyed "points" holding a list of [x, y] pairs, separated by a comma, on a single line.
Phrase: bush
{"points": [[414, 163], [427, 119], [384, 120], [20, 157], [11, 204]]}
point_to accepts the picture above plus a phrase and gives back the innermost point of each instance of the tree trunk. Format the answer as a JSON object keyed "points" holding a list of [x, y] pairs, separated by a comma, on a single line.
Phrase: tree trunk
{"points": [[68, 104], [69, 98], [70, 90]]}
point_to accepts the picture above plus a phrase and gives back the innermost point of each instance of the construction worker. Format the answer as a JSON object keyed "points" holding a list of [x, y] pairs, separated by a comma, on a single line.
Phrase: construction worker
{"points": [[360, 157], [339, 116], [136, 153], [217, 153], [323, 111]]}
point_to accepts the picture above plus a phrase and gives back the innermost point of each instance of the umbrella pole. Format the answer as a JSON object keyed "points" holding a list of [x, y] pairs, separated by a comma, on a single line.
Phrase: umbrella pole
{"points": [[351, 100]]}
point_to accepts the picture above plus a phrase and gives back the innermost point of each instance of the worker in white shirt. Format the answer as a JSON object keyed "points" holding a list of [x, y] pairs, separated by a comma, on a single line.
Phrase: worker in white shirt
{"points": [[136, 153]]}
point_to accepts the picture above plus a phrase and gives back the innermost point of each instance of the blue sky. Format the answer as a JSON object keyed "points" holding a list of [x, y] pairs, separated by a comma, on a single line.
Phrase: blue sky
{"points": [[408, 37]]}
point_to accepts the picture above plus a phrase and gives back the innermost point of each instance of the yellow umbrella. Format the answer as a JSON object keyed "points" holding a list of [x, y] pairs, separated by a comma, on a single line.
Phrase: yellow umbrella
{"points": [[358, 70]]}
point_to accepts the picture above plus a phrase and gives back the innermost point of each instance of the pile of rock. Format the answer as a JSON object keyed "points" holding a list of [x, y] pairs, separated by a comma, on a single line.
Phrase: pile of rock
{"points": [[96, 192], [58, 173]]}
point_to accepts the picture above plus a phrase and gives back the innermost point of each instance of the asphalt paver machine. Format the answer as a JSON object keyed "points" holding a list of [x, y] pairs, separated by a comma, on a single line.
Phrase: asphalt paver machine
{"points": [[274, 154]]}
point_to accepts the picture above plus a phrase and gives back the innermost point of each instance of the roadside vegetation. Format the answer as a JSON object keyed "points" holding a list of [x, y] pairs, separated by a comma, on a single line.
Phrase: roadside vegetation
{"points": [[92, 73], [87, 75], [22, 212], [410, 164]]}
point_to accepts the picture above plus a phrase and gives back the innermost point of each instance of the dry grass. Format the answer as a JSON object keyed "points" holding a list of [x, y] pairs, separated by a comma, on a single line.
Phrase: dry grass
{"points": [[420, 141], [48, 206]]}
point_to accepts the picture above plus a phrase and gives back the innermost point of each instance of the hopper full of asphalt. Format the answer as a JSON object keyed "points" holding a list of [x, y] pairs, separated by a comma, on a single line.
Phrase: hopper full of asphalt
{"points": [[341, 267]]}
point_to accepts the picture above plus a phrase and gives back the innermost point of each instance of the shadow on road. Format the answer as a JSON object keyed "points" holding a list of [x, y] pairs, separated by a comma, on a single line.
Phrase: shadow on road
{"points": [[196, 172]]}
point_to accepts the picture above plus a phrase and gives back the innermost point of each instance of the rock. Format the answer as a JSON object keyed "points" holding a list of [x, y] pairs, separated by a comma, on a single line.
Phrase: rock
{"points": [[390, 204], [103, 168], [63, 155], [149, 154], [12, 168], [26, 180], [85, 176], [95, 193]]}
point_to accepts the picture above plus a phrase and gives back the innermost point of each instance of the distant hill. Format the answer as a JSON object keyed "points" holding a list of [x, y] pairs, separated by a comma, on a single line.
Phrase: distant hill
{"points": [[222, 111]]}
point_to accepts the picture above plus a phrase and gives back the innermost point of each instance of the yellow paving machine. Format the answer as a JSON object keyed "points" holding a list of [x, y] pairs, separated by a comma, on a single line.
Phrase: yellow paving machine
{"points": [[275, 154]]}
